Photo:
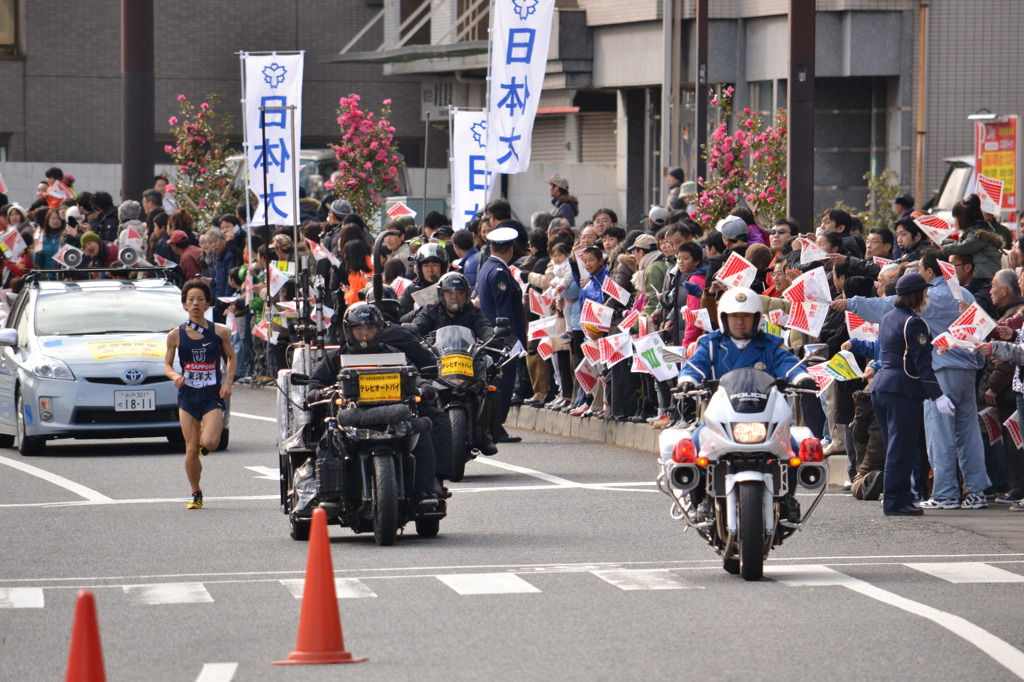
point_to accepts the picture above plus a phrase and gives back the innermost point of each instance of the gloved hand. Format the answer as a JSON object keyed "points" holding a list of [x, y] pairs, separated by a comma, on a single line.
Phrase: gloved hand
{"points": [[806, 381], [428, 393], [693, 289], [945, 406], [686, 383]]}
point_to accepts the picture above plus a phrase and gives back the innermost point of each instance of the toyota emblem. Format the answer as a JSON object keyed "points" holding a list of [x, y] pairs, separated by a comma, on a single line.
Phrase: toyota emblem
{"points": [[132, 376]]}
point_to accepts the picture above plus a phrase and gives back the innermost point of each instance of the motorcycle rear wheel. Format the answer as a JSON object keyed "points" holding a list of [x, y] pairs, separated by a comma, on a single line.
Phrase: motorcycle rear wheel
{"points": [[385, 501], [751, 529], [460, 442], [428, 528]]}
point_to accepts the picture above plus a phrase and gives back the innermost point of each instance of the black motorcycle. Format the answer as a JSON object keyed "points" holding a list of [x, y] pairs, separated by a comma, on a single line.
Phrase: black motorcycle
{"points": [[362, 473], [466, 371]]}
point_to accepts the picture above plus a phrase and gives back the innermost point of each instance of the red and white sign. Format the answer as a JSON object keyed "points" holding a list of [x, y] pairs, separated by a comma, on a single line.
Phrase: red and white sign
{"points": [[860, 328], [1013, 426], [993, 427], [615, 348], [778, 317], [277, 279], [810, 286], [990, 191], [3, 185], [934, 227], [319, 253], [612, 289], [586, 375], [737, 272], [591, 351], [822, 376], [808, 317], [61, 191], [881, 262], [596, 314], [545, 349], [539, 305], [700, 317], [974, 325], [164, 262], [629, 320], [995, 155], [261, 330], [810, 252], [544, 327], [400, 209], [12, 244], [399, 284], [949, 273]]}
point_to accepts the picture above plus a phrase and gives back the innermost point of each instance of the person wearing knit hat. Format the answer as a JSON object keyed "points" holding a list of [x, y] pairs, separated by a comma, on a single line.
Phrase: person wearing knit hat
{"points": [[89, 237], [675, 178], [96, 252]]}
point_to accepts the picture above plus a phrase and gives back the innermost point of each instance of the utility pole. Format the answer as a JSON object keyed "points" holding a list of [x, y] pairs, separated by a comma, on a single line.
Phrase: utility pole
{"points": [[137, 112], [700, 123], [800, 153]]}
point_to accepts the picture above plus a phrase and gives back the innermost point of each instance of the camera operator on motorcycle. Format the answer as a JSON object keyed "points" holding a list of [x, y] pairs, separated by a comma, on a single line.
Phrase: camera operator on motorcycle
{"points": [[453, 307], [431, 261], [363, 331], [739, 342]]}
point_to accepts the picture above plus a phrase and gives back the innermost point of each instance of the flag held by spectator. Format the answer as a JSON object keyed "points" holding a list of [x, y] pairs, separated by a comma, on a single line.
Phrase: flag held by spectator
{"points": [[545, 349], [651, 349], [1013, 426], [537, 304], [993, 428], [60, 191], [949, 272], [990, 191], [700, 317], [615, 348], [843, 366], [586, 376], [399, 209], [810, 286], [808, 317], [542, 328], [629, 320], [736, 272], [399, 285], [612, 289], [810, 252], [881, 262], [935, 227], [591, 351], [861, 329], [596, 314], [975, 322], [822, 376], [277, 279], [12, 244], [319, 253]]}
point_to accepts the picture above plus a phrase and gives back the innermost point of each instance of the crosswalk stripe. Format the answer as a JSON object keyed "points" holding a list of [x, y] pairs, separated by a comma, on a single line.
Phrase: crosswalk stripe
{"points": [[346, 588], [167, 593], [656, 579], [968, 572], [21, 597], [487, 583], [217, 672]]}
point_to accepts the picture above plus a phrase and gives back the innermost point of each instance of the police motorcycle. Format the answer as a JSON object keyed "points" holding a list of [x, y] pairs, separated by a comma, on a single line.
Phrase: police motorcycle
{"points": [[466, 371], [746, 466]]}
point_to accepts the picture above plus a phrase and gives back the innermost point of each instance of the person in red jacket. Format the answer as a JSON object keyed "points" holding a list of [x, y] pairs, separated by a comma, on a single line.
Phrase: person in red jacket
{"points": [[187, 253]]}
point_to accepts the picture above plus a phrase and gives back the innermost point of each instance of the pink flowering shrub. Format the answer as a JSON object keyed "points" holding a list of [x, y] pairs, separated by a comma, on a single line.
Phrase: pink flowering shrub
{"points": [[368, 158], [747, 163], [203, 183]]}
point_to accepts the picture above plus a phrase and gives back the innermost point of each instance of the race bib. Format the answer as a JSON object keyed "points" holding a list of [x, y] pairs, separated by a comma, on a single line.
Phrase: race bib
{"points": [[200, 374]]}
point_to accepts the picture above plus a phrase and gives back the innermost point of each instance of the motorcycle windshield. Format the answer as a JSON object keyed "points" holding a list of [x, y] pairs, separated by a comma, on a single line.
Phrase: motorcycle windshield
{"points": [[454, 339], [747, 389]]}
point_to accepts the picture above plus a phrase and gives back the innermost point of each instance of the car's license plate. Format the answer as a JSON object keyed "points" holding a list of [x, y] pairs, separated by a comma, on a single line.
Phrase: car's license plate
{"points": [[134, 401]]}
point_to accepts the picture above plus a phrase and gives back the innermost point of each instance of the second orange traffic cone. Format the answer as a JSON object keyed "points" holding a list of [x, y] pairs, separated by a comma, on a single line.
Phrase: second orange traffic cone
{"points": [[320, 639], [85, 661]]}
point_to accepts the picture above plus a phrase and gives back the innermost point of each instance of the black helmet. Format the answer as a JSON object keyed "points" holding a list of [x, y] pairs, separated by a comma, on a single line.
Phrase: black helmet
{"points": [[363, 315], [430, 253], [452, 281], [388, 303]]}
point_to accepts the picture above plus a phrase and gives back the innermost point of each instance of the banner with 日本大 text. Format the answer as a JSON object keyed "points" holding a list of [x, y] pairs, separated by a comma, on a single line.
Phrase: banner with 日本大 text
{"points": [[273, 134], [471, 181]]}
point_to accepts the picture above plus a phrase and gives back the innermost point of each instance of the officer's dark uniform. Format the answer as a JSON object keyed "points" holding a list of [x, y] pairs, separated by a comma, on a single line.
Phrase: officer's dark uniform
{"points": [[434, 316], [501, 296], [897, 394]]}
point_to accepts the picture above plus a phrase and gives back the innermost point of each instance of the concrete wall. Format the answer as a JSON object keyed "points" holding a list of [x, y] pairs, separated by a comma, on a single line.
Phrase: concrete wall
{"points": [[591, 183]]}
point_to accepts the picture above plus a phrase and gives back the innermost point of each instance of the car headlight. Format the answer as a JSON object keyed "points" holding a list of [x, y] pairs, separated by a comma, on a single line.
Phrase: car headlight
{"points": [[52, 368], [749, 432]]}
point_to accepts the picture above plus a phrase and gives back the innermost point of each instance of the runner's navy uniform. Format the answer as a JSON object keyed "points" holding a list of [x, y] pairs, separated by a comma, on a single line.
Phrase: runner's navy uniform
{"points": [[200, 365]]}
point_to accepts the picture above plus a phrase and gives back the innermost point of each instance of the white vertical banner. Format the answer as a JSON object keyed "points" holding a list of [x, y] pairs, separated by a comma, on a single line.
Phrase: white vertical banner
{"points": [[520, 34], [273, 81], [471, 181]]}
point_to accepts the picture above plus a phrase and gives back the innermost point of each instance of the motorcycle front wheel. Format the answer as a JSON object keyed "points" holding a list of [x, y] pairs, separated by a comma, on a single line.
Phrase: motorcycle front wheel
{"points": [[385, 500], [460, 442], [751, 529]]}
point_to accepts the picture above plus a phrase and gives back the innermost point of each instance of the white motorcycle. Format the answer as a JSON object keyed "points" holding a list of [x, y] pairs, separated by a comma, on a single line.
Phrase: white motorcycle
{"points": [[746, 467]]}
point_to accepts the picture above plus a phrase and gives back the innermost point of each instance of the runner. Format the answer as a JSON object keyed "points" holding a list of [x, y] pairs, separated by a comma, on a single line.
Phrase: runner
{"points": [[202, 386]]}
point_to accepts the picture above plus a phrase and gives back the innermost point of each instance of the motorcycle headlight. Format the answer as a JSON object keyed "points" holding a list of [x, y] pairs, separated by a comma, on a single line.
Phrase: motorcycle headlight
{"points": [[749, 433], [52, 368]]}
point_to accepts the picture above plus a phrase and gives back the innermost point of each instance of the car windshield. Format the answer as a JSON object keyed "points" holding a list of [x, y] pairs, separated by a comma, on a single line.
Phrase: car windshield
{"points": [[454, 338], [105, 311], [747, 389]]}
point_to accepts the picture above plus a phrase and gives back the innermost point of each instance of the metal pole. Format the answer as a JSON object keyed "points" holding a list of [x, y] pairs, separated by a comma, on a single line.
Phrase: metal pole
{"points": [[667, 90], [137, 129], [800, 153], [922, 88], [245, 190], [426, 146], [700, 123]]}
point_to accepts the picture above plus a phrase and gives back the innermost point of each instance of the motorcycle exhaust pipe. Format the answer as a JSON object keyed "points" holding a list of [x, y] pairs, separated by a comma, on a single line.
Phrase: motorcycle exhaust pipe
{"points": [[684, 477], [812, 475]]}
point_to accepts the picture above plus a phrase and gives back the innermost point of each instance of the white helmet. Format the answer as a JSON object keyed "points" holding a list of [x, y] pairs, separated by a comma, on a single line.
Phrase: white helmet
{"points": [[739, 300]]}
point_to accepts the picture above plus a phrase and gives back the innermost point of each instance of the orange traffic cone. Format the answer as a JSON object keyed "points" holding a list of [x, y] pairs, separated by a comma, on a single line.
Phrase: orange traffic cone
{"points": [[85, 662], [320, 639]]}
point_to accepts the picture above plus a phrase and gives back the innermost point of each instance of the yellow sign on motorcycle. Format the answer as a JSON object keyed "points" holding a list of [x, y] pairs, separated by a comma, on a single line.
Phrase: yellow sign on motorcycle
{"points": [[380, 388], [456, 363]]}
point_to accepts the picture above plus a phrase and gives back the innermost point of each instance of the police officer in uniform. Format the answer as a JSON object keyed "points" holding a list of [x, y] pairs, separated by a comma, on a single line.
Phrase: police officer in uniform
{"points": [[501, 296], [899, 390]]}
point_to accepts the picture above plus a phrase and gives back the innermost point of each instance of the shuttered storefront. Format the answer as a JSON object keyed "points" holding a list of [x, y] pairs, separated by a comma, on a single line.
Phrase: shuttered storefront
{"points": [[597, 137]]}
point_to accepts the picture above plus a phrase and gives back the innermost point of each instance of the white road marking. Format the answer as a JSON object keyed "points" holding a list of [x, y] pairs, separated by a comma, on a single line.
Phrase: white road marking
{"points": [[217, 672], [167, 593], [154, 500], [76, 488], [999, 650], [346, 588], [656, 579], [487, 583], [550, 478], [269, 473], [21, 597], [253, 416], [968, 572]]}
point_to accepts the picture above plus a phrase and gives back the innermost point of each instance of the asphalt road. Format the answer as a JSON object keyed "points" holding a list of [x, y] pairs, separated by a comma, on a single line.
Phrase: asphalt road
{"points": [[558, 560]]}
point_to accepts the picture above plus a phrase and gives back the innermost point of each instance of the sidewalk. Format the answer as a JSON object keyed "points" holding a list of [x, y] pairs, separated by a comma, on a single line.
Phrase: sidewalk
{"points": [[996, 522]]}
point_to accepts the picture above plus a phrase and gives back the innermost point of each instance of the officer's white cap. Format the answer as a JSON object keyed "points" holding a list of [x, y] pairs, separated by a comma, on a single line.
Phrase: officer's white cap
{"points": [[502, 234]]}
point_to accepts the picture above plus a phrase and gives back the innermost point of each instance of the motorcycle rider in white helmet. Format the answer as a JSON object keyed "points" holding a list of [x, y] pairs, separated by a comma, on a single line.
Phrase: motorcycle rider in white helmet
{"points": [[737, 343]]}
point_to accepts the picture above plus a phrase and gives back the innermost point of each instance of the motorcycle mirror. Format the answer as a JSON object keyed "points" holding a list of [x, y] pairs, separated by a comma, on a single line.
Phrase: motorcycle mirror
{"points": [[815, 350], [503, 332], [297, 379]]}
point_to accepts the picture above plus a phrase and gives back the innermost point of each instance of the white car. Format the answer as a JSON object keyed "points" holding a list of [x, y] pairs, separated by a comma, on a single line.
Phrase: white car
{"points": [[84, 359]]}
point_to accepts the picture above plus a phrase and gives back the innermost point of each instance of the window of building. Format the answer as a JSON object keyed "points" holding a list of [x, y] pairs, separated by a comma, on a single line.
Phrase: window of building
{"points": [[8, 27]]}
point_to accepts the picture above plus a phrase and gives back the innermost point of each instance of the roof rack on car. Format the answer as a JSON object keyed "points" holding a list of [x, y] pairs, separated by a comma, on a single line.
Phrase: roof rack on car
{"points": [[32, 275]]}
